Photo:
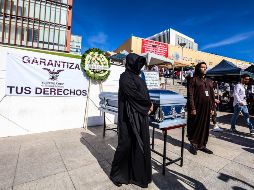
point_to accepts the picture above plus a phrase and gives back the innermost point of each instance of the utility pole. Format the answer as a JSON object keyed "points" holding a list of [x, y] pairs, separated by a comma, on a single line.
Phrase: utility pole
{"points": [[182, 44]]}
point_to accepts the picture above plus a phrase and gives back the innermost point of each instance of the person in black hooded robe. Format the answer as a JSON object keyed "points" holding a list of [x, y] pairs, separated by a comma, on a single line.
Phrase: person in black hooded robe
{"points": [[132, 159]]}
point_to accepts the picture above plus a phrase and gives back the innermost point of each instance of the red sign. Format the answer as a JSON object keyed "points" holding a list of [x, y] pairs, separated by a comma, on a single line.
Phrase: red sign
{"points": [[150, 46]]}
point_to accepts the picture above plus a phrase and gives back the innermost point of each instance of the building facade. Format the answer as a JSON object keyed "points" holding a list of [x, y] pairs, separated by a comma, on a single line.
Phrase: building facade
{"points": [[76, 43], [173, 37], [190, 56], [40, 24]]}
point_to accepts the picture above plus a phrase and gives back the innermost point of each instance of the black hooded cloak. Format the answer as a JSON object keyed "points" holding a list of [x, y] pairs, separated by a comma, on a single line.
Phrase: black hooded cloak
{"points": [[132, 159]]}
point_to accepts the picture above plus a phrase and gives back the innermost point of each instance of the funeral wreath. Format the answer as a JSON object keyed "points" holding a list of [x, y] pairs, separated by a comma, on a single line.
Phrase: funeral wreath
{"points": [[95, 64]]}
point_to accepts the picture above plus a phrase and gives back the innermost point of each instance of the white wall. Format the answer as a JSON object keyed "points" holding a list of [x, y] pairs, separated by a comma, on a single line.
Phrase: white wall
{"points": [[173, 34], [25, 115]]}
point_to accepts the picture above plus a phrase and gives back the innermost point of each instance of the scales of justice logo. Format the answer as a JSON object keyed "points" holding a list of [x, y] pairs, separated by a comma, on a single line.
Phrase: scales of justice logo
{"points": [[53, 75]]}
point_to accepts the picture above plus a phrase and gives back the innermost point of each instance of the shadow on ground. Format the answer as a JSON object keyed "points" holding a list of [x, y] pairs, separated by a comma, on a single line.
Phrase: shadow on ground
{"points": [[226, 119], [226, 178], [173, 179], [243, 139], [104, 151]]}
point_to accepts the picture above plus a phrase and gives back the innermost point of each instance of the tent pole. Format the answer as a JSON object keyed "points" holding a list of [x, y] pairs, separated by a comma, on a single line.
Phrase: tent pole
{"points": [[218, 95], [182, 77], [166, 80], [173, 74]]}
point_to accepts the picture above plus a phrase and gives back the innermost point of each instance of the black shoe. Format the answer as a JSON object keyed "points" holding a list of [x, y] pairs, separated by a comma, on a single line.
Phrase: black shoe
{"points": [[116, 183], [234, 130], [206, 150], [193, 150]]}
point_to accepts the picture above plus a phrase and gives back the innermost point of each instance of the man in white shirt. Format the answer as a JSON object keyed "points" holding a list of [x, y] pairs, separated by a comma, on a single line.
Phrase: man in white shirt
{"points": [[240, 104]]}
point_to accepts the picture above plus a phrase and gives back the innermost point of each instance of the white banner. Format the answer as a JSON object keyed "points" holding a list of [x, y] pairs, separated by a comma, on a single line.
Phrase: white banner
{"points": [[37, 74]]}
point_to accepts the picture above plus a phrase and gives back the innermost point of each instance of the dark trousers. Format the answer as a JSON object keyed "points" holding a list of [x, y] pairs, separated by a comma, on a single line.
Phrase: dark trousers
{"points": [[214, 116]]}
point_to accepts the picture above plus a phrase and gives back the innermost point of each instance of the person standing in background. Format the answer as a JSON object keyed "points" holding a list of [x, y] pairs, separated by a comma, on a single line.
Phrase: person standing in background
{"points": [[240, 104], [200, 105], [216, 127], [162, 79]]}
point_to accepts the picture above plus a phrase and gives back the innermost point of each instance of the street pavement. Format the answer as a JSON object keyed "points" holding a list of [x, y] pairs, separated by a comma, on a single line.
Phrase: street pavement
{"points": [[78, 160]]}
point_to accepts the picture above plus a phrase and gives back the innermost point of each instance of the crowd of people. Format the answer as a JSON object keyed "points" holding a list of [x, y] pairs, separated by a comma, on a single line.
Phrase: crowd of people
{"points": [[132, 159]]}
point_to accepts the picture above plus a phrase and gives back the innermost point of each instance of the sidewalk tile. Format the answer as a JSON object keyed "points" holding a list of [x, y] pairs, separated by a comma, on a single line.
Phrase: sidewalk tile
{"points": [[90, 177], [246, 158], [75, 154], [59, 181], [37, 161], [8, 163]]}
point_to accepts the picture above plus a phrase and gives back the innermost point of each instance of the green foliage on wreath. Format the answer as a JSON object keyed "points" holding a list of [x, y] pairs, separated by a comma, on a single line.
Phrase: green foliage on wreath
{"points": [[95, 75]]}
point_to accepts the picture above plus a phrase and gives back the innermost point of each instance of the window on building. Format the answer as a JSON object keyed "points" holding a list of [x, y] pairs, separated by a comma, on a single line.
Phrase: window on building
{"points": [[1, 25], [24, 36], [51, 36], [6, 32], [12, 32], [62, 37], [56, 36], [8, 6], [36, 33], [41, 31], [25, 9], [1, 6], [58, 15], [29, 35], [37, 10], [47, 13], [42, 14], [159, 38], [63, 18], [53, 10], [164, 38], [20, 4], [18, 35], [65, 1], [31, 11], [14, 5], [46, 35]]}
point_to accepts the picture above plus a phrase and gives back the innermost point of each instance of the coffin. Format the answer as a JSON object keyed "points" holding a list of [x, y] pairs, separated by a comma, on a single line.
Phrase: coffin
{"points": [[169, 107], [109, 102]]}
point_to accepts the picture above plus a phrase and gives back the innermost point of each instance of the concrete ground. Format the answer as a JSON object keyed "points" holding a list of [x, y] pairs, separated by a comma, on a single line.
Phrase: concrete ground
{"points": [[79, 159]]}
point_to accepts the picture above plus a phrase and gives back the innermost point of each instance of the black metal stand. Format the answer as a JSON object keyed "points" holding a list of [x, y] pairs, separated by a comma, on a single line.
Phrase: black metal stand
{"points": [[105, 126], [164, 154]]}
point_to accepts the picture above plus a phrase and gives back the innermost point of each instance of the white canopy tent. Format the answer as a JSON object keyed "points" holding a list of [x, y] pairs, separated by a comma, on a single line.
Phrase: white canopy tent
{"points": [[154, 59]]}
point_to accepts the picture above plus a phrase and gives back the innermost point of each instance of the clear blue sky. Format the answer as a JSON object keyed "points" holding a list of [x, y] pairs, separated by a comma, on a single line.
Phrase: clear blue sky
{"points": [[224, 27]]}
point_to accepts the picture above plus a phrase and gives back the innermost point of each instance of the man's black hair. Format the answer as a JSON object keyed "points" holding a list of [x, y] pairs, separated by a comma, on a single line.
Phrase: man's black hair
{"points": [[244, 76], [197, 69]]}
